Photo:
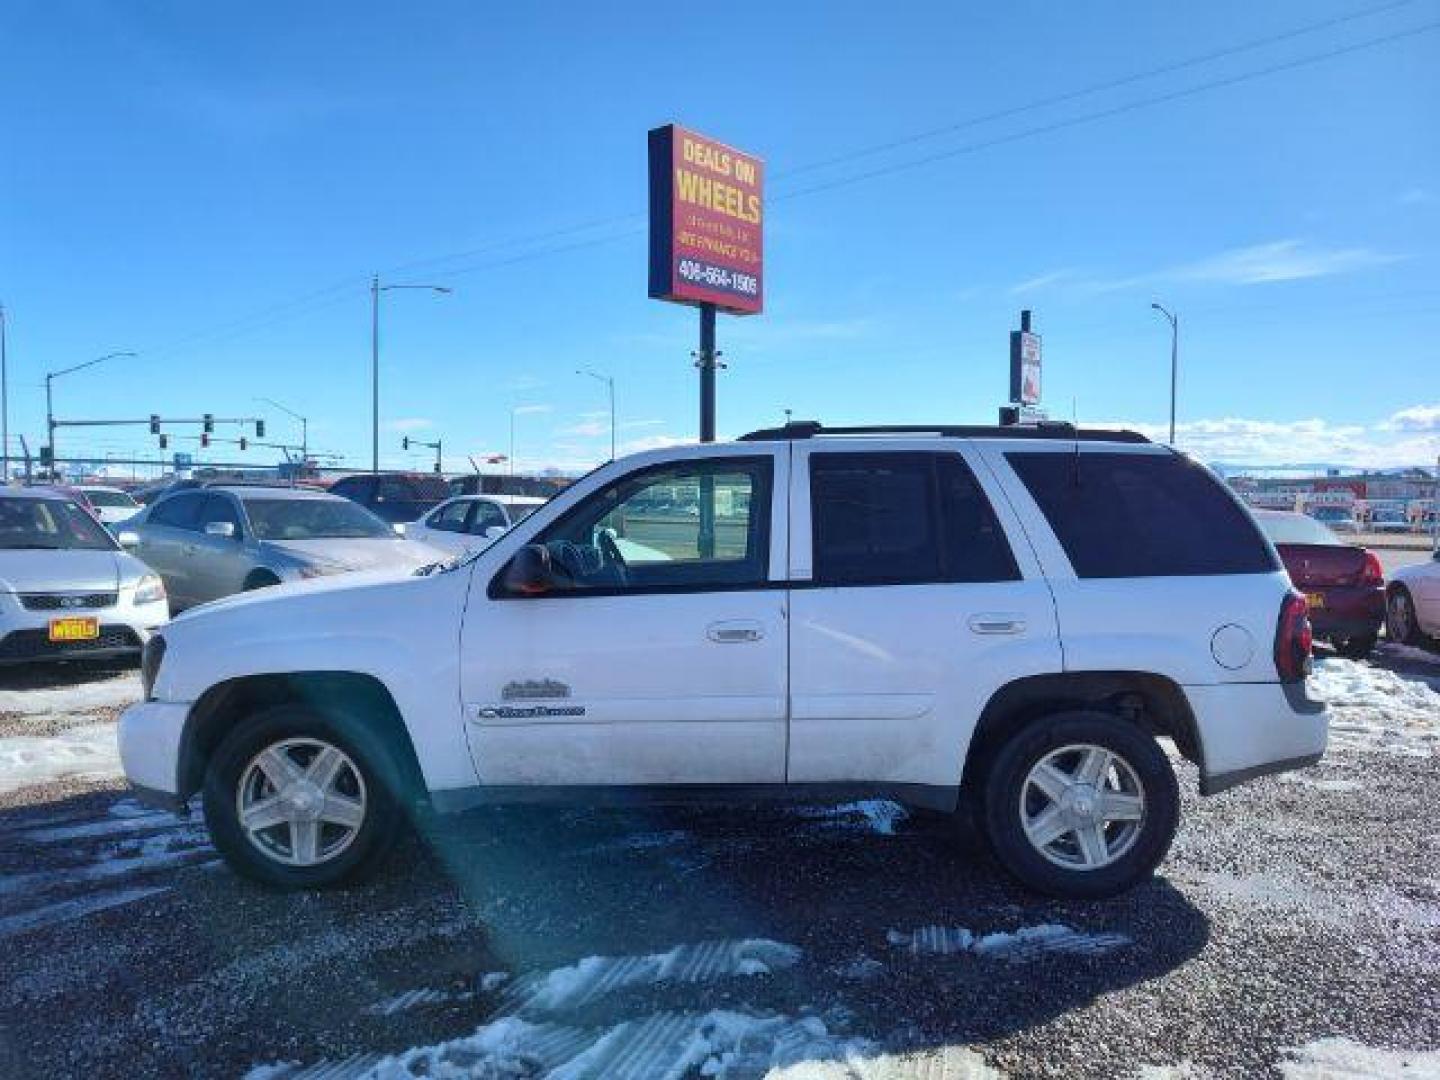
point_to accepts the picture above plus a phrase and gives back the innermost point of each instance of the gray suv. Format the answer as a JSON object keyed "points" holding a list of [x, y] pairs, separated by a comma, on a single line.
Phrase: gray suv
{"points": [[213, 542]]}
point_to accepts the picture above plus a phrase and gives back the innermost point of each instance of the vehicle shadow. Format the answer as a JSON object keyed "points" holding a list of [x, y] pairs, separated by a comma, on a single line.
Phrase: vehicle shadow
{"points": [[851, 894], [807, 913]]}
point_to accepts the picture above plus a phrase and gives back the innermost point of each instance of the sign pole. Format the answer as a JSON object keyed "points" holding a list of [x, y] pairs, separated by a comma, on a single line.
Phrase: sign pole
{"points": [[706, 362]]}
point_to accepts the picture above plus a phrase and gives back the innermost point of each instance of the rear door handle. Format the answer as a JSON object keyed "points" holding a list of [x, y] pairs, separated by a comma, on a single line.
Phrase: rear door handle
{"points": [[735, 631], [997, 622]]}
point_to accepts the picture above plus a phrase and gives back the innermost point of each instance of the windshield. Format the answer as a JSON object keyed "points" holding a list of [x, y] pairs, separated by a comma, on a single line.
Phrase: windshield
{"points": [[111, 498], [312, 519], [50, 524], [1296, 529]]}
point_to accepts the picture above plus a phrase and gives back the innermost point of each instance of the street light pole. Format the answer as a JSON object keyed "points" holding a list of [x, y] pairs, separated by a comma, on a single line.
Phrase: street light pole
{"points": [[375, 290], [49, 398], [1174, 321], [304, 426], [4, 403], [609, 381]]}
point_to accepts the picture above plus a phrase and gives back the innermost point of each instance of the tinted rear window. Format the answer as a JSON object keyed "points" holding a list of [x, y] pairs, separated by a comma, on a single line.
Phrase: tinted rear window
{"points": [[1142, 515]]}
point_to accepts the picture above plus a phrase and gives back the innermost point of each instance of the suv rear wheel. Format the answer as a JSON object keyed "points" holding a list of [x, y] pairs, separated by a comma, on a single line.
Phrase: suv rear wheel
{"points": [[1080, 804], [295, 800]]}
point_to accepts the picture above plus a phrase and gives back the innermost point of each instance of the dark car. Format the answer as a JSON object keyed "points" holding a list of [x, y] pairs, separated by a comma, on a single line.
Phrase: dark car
{"points": [[1344, 584], [397, 498], [492, 484]]}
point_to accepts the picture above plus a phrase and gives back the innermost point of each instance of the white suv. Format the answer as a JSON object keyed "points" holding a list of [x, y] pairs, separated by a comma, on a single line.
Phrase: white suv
{"points": [[997, 621]]}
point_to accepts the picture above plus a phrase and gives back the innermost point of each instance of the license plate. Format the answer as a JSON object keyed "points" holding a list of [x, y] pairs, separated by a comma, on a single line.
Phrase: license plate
{"points": [[77, 629], [1315, 600]]}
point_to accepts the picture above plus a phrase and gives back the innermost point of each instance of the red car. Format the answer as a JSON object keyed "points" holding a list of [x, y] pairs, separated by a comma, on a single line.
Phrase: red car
{"points": [[1344, 584]]}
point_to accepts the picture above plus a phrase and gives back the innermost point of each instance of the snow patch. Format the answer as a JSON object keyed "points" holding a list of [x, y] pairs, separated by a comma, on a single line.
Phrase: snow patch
{"points": [[1300, 779], [87, 697], [596, 976], [1377, 710], [413, 999], [91, 752], [877, 815], [1016, 946], [1345, 1059], [720, 1044]]}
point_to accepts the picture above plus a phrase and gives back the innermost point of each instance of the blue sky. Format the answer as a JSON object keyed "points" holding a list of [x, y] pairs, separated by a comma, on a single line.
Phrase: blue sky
{"points": [[210, 185]]}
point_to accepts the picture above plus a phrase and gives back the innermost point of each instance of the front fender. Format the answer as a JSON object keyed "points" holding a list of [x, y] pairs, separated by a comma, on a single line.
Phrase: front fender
{"points": [[404, 634]]}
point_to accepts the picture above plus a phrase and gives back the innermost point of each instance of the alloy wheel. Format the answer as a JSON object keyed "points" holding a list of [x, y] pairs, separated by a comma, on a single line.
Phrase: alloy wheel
{"points": [[301, 801], [1082, 806]]}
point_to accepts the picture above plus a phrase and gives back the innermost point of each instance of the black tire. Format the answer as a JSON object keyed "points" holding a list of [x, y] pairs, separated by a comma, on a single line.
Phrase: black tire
{"points": [[1357, 647], [260, 579], [1401, 626], [1004, 784], [374, 765]]}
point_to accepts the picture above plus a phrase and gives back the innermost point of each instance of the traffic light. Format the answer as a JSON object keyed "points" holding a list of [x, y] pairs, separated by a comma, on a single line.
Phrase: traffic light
{"points": [[205, 438], [259, 429], [209, 425], [243, 442], [405, 443], [47, 456], [154, 424], [164, 442]]}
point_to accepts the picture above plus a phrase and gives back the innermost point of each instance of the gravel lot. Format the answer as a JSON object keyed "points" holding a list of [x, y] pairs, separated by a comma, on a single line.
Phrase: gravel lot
{"points": [[1295, 930]]}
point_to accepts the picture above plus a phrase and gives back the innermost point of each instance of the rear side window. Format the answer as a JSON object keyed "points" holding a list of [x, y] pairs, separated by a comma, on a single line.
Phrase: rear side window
{"points": [[902, 518], [1142, 515]]}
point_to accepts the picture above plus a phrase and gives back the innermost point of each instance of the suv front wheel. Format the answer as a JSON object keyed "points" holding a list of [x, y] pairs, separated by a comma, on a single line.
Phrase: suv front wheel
{"points": [[295, 800], [1080, 804]]}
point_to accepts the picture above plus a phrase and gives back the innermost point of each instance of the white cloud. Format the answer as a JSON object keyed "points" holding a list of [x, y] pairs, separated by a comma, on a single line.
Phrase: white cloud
{"points": [[1238, 440], [1415, 418], [530, 410], [405, 425], [1257, 264], [1279, 260]]}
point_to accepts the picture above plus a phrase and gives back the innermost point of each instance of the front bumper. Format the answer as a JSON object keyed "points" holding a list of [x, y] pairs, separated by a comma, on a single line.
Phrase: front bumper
{"points": [[125, 626], [150, 734], [1249, 730]]}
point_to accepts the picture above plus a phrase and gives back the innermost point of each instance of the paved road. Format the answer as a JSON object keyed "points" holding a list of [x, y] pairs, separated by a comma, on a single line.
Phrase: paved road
{"points": [[1393, 559], [1290, 911]]}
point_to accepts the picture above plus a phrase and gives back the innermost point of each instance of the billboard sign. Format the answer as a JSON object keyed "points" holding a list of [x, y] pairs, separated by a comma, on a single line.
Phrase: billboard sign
{"points": [[1024, 367], [706, 222]]}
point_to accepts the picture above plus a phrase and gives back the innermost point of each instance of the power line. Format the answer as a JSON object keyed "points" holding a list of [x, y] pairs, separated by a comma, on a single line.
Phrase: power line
{"points": [[1104, 114], [327, 297], [1091, 90]]}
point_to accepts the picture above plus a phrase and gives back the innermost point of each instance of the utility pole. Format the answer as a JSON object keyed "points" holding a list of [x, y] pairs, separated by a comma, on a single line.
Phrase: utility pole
{"points": [[1174, 321], [375, 290], [609, 382]]}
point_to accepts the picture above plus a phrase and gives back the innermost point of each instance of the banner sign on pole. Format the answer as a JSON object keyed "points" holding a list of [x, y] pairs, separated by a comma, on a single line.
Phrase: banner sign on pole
{"points": [[706, 222], [1024, 367]]}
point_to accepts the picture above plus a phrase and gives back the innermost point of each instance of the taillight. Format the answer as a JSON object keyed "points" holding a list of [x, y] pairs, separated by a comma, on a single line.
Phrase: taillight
{"points": [[1293, 638], [1374, 573]]}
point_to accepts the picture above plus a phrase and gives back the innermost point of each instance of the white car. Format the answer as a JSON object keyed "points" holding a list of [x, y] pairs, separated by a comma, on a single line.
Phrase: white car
{"points": [[994, 621], [67, 591], [470, 522], [109, 504], [1412, 602]]}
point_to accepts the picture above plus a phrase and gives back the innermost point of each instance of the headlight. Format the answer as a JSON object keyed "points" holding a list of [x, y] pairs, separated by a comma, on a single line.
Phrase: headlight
{"points": [[149, 589]]}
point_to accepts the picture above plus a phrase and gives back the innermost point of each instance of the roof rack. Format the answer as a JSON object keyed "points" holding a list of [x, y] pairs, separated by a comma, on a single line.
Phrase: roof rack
{"points": [[1046, 429]]}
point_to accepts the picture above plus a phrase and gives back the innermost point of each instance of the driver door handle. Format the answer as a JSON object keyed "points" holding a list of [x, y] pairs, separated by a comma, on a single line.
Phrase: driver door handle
{"points": [[735, 631]]}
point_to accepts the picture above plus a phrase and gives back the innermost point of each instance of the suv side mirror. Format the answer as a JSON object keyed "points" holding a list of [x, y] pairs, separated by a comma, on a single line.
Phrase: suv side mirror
{"points": [[220, 528], [529, 572]]}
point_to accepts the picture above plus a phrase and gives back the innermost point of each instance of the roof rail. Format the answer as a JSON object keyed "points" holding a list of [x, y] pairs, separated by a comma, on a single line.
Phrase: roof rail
{"points": [[1046, 429]]}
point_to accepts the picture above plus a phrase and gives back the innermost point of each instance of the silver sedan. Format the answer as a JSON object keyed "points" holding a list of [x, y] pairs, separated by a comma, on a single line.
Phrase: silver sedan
{"points": [[212, 542]]}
